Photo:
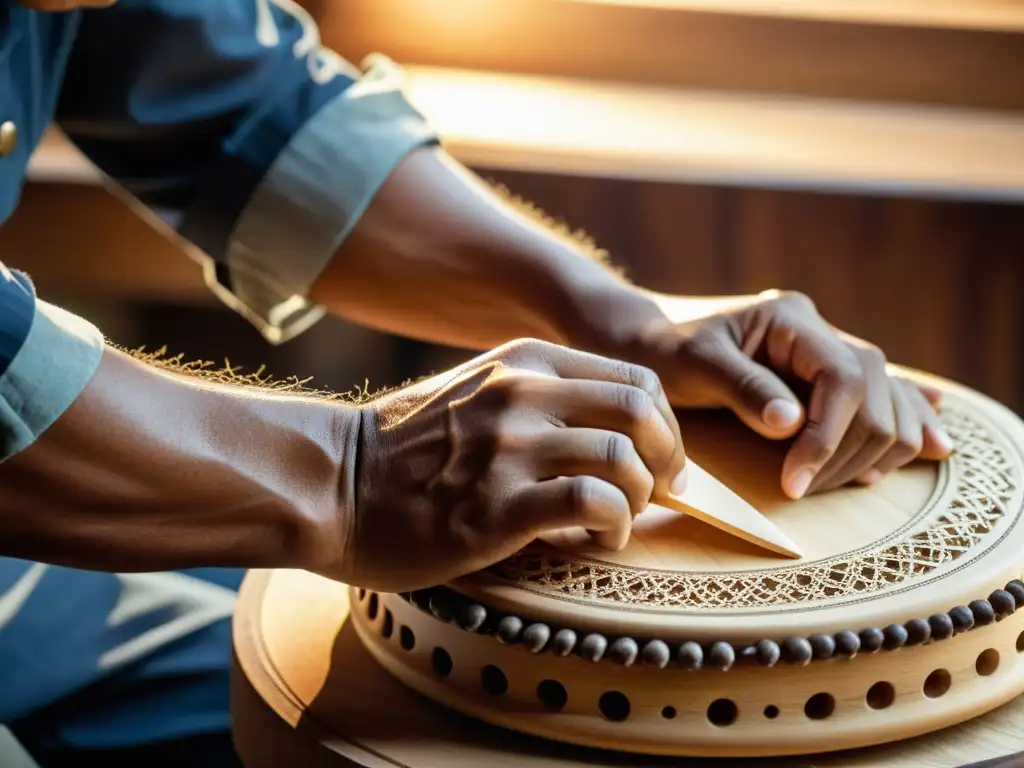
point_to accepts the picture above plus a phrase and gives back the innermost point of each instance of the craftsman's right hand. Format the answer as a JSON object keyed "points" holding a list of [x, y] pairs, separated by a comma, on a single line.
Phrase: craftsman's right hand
{"points": [[464, 469]]}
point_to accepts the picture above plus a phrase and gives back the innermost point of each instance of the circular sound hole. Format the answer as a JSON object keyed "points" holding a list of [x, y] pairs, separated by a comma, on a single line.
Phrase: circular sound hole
{"points": [[988, 662], [493, 680], [614, 706], [552, 694], [388, 625], [937, 683], [442, 662], [722, 712], [820, 706], [407, 638], [1020, 643], [373, 607], [669, 713], [881, 695], [771, 711]]}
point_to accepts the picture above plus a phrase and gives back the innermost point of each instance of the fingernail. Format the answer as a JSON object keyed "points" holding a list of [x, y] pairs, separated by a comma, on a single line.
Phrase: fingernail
{"points": [[781, 414], [798, 487], [678, 485], [944, 440], [870, 477]]}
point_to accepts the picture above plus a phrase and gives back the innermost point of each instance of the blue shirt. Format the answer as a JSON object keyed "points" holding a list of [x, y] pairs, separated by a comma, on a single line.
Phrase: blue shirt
{"points": [[225, 117], [230, 121]]}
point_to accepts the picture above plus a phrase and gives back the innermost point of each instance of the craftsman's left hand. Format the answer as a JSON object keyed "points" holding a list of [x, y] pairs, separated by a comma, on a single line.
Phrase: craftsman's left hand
{"points": [[749, 354]]}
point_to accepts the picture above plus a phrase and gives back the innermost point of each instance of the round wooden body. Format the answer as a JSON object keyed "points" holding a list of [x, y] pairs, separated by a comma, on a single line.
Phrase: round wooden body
{"points": [[306, 692], [900, 618]]}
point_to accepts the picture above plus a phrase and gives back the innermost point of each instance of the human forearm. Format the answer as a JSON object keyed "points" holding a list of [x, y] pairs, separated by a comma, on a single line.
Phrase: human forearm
{"points": [[149, 470], [440, 257]]}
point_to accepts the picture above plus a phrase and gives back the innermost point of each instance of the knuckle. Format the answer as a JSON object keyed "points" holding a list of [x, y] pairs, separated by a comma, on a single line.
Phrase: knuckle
{"points": [[619, 451], [797, 300], [909, 444], [849, 377], [505, 392], [877, 432], [704, 344], [818, 447], [638, 376], [644, 491], [583, 495], [524, 349], [636, 404], [751, 382], [874, 356]]}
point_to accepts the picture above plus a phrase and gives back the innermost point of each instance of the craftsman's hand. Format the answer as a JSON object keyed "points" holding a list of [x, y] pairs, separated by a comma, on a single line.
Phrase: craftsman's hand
{"points": [[466, 468], [764, 356]]}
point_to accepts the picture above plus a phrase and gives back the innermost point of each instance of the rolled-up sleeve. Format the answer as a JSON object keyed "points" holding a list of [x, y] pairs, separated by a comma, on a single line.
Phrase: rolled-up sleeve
{"points": [[47, 356], [230, 120]]}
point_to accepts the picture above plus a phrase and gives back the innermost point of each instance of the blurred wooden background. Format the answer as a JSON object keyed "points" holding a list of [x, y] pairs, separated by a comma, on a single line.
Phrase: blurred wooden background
{"points": [[917, 245]]}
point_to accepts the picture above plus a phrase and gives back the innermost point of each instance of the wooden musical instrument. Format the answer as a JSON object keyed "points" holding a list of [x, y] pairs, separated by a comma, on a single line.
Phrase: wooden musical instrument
{"points": [[901, 619]]}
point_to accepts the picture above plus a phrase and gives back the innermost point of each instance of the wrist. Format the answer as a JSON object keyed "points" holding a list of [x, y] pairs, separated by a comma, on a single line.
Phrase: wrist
{"points": [[324, 516], [602, 314]]}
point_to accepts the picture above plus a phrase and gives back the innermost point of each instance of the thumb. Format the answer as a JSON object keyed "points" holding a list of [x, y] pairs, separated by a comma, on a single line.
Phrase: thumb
{"points": [[755, 394]]}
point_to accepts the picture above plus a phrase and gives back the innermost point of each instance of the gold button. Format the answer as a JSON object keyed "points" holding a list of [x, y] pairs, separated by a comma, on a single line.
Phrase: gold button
{"points": [[8, 137]]}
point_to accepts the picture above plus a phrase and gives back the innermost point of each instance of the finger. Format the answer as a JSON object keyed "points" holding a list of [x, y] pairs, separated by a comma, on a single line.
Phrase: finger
{"points": [[872, 432], [617, 408], [835, 372], [931, 395], [581, 501], [909, 438], [753, 392], [570, 364], [936, 442], [609, 456]]}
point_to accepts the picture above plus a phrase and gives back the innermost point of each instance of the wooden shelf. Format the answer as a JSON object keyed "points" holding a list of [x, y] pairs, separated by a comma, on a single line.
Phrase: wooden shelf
{"points": [[990, 15], [536, 124], [967, 53]]}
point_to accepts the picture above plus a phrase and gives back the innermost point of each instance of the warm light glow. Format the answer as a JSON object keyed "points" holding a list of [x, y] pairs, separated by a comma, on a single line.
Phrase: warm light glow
{"points": [[959, 14], [572, 126]]}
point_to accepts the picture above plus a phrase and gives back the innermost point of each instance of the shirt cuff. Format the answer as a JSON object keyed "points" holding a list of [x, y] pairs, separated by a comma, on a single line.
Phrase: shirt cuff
{"points": [[311, 198], [59, 356]]}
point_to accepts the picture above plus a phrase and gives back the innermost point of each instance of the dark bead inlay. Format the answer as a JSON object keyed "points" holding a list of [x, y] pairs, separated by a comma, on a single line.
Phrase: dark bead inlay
{"points": [[720, 656], [983, 612], [623, 651], [1016, 588], [656, 654], [535, 637], [441, 607], [447, 605], [942, 626], [564, 642], [690, 655], [847, 643], [797, 650], [918, 631], [895, 637], [472, 617], [509, 629], [767, 652], [962, 618], [1003, 603], [871, 639], [593, 647], [823, 646]]}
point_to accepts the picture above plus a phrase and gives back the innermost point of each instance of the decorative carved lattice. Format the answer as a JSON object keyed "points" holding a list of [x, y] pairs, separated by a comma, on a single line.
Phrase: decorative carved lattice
{"points": [[986, 478]]}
